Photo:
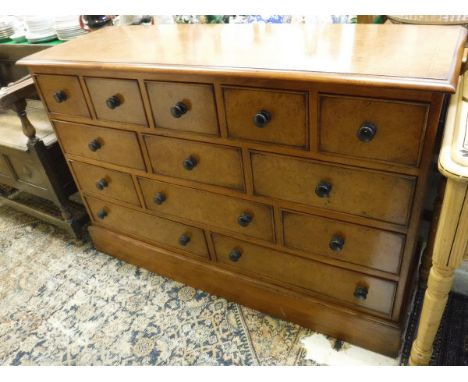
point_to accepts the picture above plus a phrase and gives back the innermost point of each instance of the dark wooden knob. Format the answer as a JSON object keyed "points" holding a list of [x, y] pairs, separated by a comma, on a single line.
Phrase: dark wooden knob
{"points": [[323, 189], [190, 163], [159, 198], [94, 145], [367, 132], [179, 109], [101, 214], [336, 243], [184, 239], [361, 292], [101, 184], [60, 96], [245, 219], [235, 255], [113, 102], [262, 118]]}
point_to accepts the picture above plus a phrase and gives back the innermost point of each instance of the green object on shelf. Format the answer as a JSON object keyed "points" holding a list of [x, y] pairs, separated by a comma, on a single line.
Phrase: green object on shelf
{"points": [[53, 42]]}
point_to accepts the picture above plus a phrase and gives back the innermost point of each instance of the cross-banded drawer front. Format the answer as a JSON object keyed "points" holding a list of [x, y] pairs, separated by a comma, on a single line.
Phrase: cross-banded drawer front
{"points": [[349, 286], [242, 216], [147, 227], [371, 194], [385, 130], [348, 242], [197, 161], [63, 94], [186, 107], [266, 115], [108, 145], [105, 183]]}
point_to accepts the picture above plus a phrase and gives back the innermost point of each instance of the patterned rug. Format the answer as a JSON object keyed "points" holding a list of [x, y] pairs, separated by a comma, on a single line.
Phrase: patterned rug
{"points": [[64, 303]]}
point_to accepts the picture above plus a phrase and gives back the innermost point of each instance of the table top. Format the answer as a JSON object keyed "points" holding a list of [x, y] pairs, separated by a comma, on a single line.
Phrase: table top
{"points": [[423, 57]]}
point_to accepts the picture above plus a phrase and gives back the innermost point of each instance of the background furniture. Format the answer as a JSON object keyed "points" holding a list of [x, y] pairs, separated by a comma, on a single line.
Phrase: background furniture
{"points": [[287, 177]]}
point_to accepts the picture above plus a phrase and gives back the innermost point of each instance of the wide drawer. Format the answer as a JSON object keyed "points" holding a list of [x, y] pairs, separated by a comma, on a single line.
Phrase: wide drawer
{"points": [[63, 94], [372, 248], [352, 287], [372, 194], [384, 130], [267, 115], [116, 100], [104, 182], [200, 162], [248, 218], [187, 107], [100, 143], [151, 228]]}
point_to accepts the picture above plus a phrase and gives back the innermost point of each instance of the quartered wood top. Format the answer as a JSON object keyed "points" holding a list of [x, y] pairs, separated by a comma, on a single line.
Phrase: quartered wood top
{"points": [[404, 56]]}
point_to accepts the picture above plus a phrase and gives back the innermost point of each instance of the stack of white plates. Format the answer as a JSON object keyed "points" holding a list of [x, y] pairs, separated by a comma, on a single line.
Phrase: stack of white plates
{"points": [[39, 29], [6, 28], [68, 27]]}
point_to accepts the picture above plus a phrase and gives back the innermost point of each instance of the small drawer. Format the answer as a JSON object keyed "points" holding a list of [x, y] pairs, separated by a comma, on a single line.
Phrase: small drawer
{"points": [[63, 95], [372, 194], [383, 130], [352, 287], [104, 182], [100, 143], [348, 242], [267, 116], [116, 100], [186, 107], [248, 218], [201, 162], [150, 228]]}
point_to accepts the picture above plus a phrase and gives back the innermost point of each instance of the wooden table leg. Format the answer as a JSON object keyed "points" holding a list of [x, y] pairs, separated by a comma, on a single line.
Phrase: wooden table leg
{"points": [[449, 248]]}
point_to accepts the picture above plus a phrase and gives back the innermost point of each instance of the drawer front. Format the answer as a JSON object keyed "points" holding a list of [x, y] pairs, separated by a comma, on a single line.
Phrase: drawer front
{"points": [[104, 182], [100, 143], [63, 94], [148, 227], [371, 194], [208, 208], [187, 107], [200, 162], [372, 293], [116, 100], [373, 129], [267, 116], [351, 243]]}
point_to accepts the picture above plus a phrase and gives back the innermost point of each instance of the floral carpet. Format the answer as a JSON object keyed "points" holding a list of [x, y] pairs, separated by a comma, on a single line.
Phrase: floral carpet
{"points": [[64, 303]]}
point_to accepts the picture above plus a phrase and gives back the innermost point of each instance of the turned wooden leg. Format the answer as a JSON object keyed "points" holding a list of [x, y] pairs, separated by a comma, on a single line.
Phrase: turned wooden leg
{"points": [[449, 248]]}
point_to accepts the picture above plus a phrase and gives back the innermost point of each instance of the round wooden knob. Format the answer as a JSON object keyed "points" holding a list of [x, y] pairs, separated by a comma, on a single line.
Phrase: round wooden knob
{"points": [[337, 243], [94, 145], [323, 189], [184, 239], [367, 132], [179, 109], [190, 163], [101, 184], [262, 118], [235, 255], [361, 292], [60, 96], [113, 102], [245, 219], [101, 214], [159, 198]]}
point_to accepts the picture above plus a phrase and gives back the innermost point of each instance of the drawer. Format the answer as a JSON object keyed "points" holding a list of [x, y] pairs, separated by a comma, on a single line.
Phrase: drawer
{"points": [[352, 287], [372, 194], [267, 116], [116, 100], [186, 107], [148, 227], [200, 162], [104, 182], [351, 243], [248, 218], [63, 94], [383, 130], [100, 143]]}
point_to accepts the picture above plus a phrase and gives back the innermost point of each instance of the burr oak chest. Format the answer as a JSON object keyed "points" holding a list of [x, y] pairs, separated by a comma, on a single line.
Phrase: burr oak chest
{"points": [[280, 166]]}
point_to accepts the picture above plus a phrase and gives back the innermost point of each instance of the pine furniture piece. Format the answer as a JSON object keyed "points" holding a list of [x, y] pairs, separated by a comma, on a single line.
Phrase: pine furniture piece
{"points": [[450, 246], [279, 166]]}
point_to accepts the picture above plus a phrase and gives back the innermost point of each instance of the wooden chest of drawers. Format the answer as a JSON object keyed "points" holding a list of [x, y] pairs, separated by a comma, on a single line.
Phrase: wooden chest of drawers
{"points": [[283, 167]]}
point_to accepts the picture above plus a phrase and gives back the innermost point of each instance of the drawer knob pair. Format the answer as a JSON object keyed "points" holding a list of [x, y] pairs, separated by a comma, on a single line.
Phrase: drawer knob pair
{"points": [[337, 243], [190, 163], [235, 255], [101, 214], [179, 109], [245, 219], [159, 198], [367, 132], [113, 102], [184, 239], [60, 96], [101, 184], [94, 145], [262, 118], [323, 189], [361, 292]]}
